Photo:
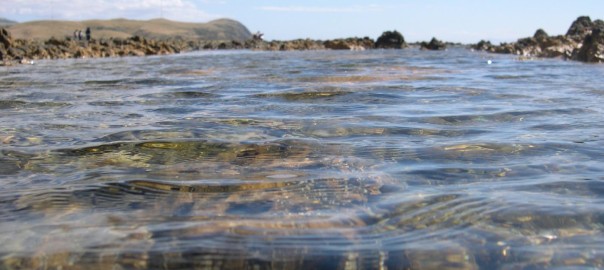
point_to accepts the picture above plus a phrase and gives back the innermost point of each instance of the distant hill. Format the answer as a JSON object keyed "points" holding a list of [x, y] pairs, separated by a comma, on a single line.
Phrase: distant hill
{"points": [[222, 29], [6, 22]]}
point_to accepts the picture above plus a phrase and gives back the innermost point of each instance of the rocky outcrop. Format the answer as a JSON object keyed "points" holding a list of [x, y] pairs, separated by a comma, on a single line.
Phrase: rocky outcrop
{"points": [[592, 50], [540, 34], [5, 38], [391, 40], [433, 45], [20, 50], [582, 42], [483, 45], [292, 45], [580, 27], [53, 48], [5, 44], [351, 44]]}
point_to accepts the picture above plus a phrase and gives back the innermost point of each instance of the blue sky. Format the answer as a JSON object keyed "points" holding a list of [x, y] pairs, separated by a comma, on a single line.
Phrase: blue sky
{"points": [[452, 20]]}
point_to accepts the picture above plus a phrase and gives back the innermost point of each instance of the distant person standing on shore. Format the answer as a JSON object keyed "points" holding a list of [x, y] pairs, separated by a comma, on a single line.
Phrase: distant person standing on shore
{"points": [[80, 34], [88, 34]]}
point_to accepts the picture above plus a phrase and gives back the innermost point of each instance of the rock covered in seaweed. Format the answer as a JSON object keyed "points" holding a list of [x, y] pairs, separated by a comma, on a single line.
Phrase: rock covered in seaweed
{"points": [[352, 44], [592, 50], [483, 45], [580, 27], [391, 40], [434, 45], [540, 34], [582, 42]]}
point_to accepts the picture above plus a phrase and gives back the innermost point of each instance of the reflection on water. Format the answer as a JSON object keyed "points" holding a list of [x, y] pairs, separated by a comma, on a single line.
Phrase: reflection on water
{"points": [[302, 160]]}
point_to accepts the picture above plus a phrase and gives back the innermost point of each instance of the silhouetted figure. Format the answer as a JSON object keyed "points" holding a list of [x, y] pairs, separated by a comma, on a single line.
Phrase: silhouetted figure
{"points": [[88, 34], [80, 34]]}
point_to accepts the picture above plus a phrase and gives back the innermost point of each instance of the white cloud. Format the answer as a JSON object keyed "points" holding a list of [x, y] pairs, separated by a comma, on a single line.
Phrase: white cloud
{"points": [[315, 9], [181, 10]]}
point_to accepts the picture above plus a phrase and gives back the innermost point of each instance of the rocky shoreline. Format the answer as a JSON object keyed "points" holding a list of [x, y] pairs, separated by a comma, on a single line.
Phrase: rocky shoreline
{"points": [[13, 51], [584, 42]]}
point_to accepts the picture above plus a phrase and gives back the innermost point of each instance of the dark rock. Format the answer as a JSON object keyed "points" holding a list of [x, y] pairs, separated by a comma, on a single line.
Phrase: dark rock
{"points": [[598, 24], [5, 38], [582, 42], [391, 40], [137, 39], [592, 50], [483, 45], [580, 27], [540, 34], [434, 45], [236, 45]]}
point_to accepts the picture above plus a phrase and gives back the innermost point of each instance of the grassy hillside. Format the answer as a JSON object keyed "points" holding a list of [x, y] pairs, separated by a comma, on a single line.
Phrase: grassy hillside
{"points": [[222, 29]]}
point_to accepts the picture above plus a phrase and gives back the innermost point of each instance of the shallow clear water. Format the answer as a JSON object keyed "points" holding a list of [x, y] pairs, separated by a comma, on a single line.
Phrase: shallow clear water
{"points": [[300, 160]]}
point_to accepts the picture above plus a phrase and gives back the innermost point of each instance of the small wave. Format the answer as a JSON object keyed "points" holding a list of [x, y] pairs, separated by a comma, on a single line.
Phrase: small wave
{"points": [[17, 104], [305, 95], [106, 82]]}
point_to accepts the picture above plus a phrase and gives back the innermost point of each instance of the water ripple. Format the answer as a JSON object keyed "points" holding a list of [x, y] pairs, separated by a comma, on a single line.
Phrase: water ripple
{"points": [[398, 159]]}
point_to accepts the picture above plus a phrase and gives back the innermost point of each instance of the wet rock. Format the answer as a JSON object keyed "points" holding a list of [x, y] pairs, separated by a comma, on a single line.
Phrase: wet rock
{"points": [[337, 45], [391, 40], [353, 44], [582, 42], [558, 46], [298, 44], [592, 50], [454, 257], [434, 45]]}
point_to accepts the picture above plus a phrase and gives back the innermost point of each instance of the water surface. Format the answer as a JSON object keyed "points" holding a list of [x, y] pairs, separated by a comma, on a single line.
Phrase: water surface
{"points": [[299, 160]]}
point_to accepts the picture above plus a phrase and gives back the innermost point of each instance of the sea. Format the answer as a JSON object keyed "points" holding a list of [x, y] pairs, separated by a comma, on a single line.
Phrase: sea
{"points": [[379, 159]]}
